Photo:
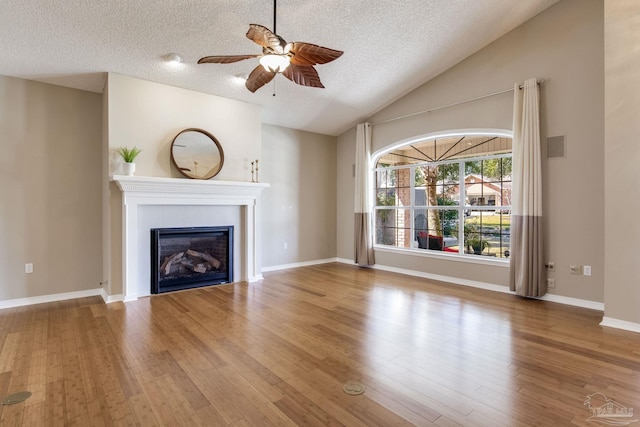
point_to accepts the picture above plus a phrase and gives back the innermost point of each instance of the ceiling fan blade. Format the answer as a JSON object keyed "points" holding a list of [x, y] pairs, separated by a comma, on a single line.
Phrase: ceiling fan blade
{"points": [[304, 75], [258, 78], [225, 59], [265, 38], [311, 54]]}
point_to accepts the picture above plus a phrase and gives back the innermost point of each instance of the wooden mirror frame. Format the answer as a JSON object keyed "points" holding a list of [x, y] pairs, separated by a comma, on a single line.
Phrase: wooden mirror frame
{"points": [[184, 170]]}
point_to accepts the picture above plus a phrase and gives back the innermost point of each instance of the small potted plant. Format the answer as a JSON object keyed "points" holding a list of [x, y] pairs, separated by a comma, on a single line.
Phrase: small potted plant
{"points": [[129, 155]]}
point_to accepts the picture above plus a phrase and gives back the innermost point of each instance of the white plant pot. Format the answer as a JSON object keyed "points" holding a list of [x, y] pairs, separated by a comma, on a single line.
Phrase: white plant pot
{"points": [[129, 168]]}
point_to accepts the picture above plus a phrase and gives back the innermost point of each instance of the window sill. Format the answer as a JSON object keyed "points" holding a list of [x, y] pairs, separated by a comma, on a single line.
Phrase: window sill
{"points": [[472, 259]]}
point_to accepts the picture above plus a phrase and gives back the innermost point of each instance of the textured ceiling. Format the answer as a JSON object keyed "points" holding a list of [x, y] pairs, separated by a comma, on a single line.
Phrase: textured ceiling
{"points": [[390, 46]]}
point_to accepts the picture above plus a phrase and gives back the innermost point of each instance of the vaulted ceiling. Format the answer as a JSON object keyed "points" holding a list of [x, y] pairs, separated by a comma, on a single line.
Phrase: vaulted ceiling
{"points": [[391, 47]]}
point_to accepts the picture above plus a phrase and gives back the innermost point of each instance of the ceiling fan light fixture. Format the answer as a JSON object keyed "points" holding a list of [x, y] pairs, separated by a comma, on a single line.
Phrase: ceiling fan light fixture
{"points": [[275, 63]]}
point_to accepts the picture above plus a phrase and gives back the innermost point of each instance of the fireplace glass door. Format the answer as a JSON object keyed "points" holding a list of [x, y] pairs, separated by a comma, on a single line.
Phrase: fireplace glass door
{"points": [[191, 257]]}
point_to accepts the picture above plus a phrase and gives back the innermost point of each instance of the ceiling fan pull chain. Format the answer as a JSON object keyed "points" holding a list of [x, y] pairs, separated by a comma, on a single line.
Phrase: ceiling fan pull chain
{"points": [[274, 87]]}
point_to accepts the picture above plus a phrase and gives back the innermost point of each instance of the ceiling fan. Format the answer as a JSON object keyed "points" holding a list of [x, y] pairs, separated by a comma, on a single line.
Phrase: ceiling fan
{"points": [[294, 60]]}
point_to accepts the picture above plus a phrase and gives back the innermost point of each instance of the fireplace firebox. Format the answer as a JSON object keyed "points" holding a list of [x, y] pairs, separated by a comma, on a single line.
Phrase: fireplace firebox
{"points": [[190, 257]]}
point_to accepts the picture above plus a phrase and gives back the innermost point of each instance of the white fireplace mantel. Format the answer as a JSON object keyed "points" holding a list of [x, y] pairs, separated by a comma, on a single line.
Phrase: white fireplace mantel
{"points": [[152, 191]]}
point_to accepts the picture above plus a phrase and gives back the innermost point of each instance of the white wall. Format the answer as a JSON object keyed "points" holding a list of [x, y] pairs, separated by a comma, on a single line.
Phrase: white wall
{"points": [[564, 46]]}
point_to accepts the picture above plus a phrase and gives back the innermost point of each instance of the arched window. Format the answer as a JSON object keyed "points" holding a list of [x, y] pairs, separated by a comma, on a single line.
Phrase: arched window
{"points": [[450, 194]]}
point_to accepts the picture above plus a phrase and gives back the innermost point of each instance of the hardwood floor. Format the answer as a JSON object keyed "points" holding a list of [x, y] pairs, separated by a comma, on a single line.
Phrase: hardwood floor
{"points": [[277, 352]]}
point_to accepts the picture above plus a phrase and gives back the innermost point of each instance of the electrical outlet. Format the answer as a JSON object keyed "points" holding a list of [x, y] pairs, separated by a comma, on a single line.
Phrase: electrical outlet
{"points": [[28, 268], [551, 283], [586, 270], [550, 266], [285, 245], [575, 269]]}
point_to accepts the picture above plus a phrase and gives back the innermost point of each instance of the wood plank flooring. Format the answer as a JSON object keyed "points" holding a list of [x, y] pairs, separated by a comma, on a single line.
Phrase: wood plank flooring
{"points": [[278, 351]]}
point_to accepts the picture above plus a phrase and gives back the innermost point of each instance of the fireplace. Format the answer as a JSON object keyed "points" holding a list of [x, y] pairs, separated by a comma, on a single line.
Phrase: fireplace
{"points": [[190, 257], [154, 202]]}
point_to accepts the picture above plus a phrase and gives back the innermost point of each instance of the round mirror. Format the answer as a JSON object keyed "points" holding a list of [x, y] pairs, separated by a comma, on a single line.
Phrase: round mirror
{"points": [[197, 154]]}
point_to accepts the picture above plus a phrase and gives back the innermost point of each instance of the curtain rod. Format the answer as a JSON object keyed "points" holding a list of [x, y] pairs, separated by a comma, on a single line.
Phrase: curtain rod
{"points": [[449, 105]]}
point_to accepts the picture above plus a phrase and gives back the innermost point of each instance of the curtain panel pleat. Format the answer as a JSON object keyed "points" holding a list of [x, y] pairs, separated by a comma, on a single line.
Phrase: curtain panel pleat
{"points": [[526, 260], [362, 207]]}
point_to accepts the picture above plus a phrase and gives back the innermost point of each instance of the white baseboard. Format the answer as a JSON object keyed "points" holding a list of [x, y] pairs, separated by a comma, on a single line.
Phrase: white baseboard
{"points": [[606, 321], [620, 324], [487, 286], [448, 279], [298, 264], [111, 298], [19, 302], [593, 305]]}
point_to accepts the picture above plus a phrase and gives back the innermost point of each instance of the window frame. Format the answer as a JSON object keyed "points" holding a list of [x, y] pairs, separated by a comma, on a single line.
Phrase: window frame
{"points": [[461, 208]]}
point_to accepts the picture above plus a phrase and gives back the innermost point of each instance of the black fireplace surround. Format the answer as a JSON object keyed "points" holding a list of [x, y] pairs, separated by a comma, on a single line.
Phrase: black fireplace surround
{"points": [[190, 257]]}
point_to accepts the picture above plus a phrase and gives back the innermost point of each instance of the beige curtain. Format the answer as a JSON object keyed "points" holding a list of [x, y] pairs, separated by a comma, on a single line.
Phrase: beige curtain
{"points": [[363, 235], [527, 265]]}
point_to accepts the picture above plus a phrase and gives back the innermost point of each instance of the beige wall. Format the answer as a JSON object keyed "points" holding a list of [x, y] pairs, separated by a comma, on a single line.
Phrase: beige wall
{"points": [[564, 46], [622, 159], [345, 195], [299, 208], [50, 189], [149, 115]]}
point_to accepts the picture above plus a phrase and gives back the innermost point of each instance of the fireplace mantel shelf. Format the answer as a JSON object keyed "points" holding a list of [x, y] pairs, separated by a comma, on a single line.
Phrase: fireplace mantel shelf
{"points": [[149, 184]]}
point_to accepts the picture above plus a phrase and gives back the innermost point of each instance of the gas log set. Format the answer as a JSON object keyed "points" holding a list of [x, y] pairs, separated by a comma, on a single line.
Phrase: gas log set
{"points": [[183, 263]]}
